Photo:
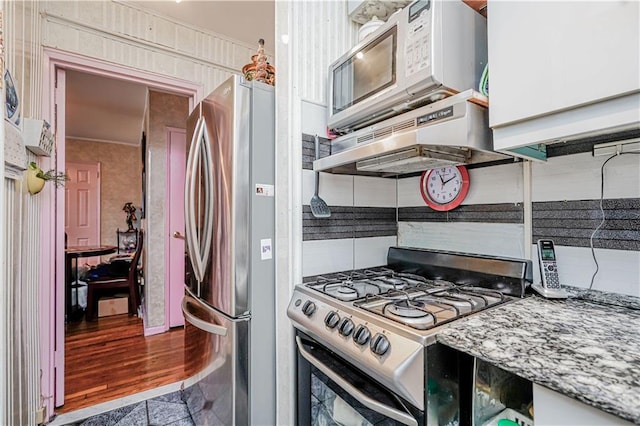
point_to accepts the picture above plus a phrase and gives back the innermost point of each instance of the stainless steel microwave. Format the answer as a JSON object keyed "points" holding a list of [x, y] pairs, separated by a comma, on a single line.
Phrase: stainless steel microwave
{"points": [[427, 51]]}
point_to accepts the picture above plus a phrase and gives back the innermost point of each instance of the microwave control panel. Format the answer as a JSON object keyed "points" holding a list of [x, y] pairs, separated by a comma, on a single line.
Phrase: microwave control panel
{"points": [[418, 38]]}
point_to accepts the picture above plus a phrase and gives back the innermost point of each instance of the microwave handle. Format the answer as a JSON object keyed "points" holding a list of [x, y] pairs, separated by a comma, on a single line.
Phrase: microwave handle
{"points": [[354, 392]]}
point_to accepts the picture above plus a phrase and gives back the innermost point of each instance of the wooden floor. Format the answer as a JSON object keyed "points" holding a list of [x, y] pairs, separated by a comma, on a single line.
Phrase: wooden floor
{"points": [[110, 358]]}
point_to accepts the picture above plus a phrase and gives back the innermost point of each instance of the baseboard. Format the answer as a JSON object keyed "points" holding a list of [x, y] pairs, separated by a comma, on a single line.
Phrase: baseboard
{"points": [[150, 331]]}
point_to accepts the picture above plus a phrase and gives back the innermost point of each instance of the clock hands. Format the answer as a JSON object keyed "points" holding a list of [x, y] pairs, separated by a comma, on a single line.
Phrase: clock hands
{"points": [[448, 180]]}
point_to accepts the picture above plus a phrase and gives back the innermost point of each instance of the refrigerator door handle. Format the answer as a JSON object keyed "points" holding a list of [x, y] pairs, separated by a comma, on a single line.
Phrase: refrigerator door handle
{"points": [[201, 324], [188, 204], [199, 243], [207, 233]]}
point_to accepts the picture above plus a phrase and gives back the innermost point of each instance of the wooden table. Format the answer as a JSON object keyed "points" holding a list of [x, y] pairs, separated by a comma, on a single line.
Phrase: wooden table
{"points": [[75, 253]]}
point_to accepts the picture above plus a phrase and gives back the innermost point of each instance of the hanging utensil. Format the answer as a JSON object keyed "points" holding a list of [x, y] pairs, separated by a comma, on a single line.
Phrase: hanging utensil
{"points": [[319, 208]]}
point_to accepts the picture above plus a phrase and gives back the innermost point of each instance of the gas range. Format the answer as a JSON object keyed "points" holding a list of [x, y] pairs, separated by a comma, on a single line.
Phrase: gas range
{"points": [[382, 319]]}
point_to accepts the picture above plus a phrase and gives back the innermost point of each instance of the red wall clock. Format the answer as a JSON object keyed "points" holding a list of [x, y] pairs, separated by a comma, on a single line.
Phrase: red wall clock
{"points": [[445, 188]]}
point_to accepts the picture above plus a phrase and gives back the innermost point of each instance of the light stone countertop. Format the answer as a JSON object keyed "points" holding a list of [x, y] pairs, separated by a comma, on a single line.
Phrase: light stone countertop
{"points": [[586, 347]]}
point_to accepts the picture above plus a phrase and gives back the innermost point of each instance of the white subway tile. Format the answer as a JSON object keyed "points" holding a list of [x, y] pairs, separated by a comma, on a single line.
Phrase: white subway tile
{"points": [[324, 256], [372, 251], [314, 119], [374, 192], [409, 192], [335, 190], [619, 269], [577, 177], [494, 185]]}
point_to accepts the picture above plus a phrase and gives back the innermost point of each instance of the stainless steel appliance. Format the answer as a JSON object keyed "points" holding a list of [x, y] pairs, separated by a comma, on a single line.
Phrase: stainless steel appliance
{"points": [[229, 232], [451, 131], [429, 50], [370, 335]]}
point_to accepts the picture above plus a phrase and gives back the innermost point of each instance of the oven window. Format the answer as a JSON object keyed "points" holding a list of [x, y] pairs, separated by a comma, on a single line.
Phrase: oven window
{"points": [[366, 72], [331, 405], [322, 400]]}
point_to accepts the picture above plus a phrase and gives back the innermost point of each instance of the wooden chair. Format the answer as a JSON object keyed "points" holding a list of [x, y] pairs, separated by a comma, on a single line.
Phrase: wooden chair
{"points": [[130, 283]]}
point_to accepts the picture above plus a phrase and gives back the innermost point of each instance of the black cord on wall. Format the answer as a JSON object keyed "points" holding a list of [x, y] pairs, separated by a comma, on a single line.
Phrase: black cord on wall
{"points": [[593, 253]]}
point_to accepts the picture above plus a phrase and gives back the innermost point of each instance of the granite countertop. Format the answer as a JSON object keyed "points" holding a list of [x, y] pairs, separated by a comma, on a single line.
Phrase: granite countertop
{"points": [[586, 347]]}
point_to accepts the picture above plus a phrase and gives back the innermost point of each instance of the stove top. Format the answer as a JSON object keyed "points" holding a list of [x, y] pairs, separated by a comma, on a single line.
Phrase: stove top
{"points": [[382, 319], [368, 282], [425, 307], [405, 298]]}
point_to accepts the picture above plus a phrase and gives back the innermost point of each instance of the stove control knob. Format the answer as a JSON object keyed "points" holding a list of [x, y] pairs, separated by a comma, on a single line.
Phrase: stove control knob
{"points": [[362, 335], [332, 319], [379, 344], [308, 308], [346, 327]]}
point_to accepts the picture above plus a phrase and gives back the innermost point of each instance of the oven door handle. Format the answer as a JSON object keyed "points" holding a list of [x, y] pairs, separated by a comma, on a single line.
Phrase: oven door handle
{"points": [[356, 393]]}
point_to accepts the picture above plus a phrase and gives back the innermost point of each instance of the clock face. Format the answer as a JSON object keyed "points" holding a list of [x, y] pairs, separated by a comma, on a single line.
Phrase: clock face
{"points": [[444, 188]]}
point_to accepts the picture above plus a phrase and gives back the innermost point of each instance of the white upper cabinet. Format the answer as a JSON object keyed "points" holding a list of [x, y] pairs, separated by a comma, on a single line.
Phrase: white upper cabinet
{"points": [[559, 70]]}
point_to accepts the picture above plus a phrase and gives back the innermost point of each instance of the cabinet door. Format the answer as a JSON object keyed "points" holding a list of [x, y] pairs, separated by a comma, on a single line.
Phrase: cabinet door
{"points": [[556, 55], [555, 409]]}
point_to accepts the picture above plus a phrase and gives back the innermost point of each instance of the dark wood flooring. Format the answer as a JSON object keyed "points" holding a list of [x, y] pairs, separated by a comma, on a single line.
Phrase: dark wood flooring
{"points": [[110, 358]]}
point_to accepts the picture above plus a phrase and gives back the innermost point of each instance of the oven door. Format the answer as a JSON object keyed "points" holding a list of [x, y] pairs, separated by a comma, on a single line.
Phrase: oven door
{"points": [[331, 391]]}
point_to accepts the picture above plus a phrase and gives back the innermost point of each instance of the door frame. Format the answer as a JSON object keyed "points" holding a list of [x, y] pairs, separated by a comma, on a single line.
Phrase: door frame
{"points": [[51, 280]]}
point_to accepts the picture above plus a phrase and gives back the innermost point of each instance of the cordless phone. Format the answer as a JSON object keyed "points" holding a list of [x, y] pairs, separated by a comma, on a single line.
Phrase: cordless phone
{"points": [[550, 287]]}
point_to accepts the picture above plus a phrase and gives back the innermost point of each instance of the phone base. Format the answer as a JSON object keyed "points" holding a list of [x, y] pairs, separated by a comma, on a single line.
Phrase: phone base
{"points": [[550, 293]]}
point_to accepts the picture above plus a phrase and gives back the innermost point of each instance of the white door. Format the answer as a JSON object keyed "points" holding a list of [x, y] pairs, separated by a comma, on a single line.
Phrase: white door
{"points": [[176, 152], [82, 206]]}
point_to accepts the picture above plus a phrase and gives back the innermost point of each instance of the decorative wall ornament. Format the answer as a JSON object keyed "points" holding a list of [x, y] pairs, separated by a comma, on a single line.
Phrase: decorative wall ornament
{"points": [[130, 209], [259, 69], [36, 178]]}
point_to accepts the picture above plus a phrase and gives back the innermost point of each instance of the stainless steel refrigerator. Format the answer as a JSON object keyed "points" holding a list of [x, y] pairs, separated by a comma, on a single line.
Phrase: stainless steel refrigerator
{"points": [[229, 305]]}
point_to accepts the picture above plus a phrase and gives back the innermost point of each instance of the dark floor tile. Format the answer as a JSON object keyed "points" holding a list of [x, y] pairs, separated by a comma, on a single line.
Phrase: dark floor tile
{"points": [[176, 397], [187, 421], [137, 417], [162, 413], [207, 418], [112, 417], [194, 398]]}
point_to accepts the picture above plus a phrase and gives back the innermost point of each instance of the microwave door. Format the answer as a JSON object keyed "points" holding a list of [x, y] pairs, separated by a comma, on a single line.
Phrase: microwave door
{"points": [[199, 207]]}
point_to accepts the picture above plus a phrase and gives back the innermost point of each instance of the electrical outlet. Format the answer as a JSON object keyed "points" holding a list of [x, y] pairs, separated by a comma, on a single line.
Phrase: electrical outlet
{"points": [[619, 147]]}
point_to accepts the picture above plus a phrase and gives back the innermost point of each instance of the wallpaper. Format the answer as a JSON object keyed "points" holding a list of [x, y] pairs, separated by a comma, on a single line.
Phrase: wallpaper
{"points": [[120, 181]]}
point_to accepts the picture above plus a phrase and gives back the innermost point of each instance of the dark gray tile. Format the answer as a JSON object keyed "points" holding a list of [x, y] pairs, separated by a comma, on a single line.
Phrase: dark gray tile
{"points": [[137, 417], [350, 222], [571, 223], [187, 421], [177, 397], [194, 399], [206, 418], [489, 213], [112, 417], [322, 417], [309, 152], [162, 413]]}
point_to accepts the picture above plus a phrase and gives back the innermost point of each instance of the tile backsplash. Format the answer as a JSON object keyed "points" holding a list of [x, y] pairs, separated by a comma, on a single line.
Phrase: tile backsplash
{"points": [[370, 214]]}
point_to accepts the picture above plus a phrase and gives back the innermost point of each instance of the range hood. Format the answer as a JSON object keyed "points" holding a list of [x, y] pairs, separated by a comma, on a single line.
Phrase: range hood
{"points": [[452, 131]]}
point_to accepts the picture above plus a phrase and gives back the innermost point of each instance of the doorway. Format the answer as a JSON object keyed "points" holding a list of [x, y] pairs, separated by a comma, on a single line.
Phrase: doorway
{"points": [[60, 64]]}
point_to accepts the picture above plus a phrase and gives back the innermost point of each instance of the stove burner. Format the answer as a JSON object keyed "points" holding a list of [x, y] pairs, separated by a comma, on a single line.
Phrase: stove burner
{"points": [[406, 309], [346, 290]]}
